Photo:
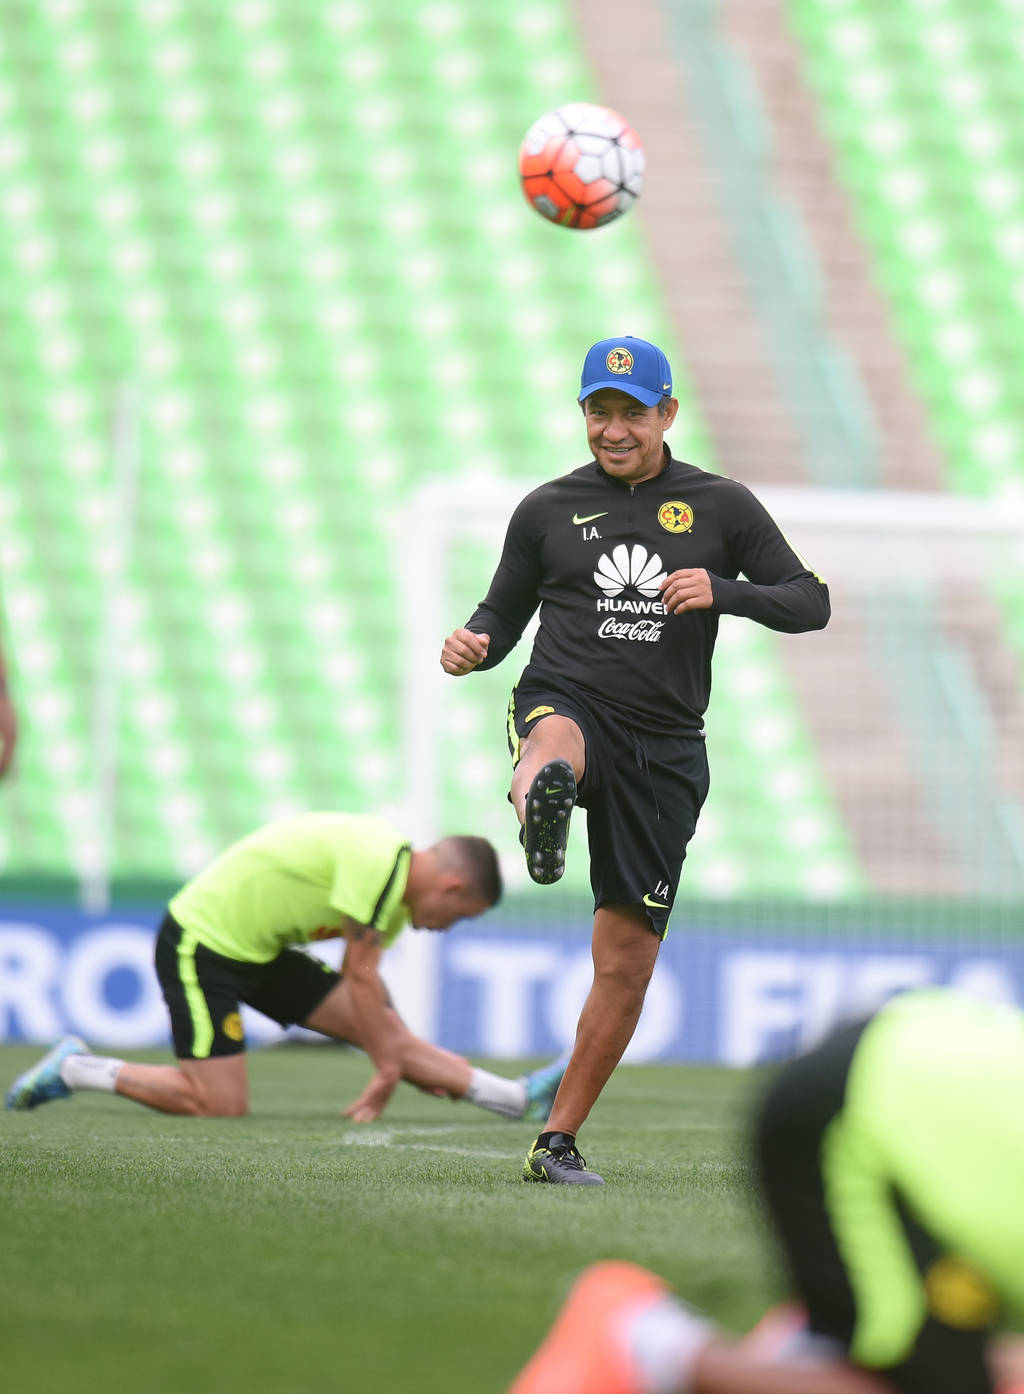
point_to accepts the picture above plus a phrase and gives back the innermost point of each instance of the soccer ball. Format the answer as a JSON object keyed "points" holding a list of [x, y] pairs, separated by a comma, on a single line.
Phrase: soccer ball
{"points": [[581, 166]]}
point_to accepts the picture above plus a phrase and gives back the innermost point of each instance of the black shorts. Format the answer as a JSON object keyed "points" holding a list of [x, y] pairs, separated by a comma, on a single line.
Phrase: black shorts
{"points": [[203, 991], [791, 1132], [643, 793]]}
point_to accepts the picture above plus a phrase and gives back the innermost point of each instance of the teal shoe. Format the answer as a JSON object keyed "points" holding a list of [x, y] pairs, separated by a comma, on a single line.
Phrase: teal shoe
{"points": [[542, 1086], [42, 1082]]}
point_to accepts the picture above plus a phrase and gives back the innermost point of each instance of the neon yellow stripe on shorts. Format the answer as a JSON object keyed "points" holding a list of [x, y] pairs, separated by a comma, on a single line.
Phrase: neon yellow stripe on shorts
{"points": [[513, 736], [202, 1022]]}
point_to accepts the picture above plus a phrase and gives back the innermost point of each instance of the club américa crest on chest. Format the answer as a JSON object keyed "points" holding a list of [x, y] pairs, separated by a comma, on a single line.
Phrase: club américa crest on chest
{"points": [[674, 516]]}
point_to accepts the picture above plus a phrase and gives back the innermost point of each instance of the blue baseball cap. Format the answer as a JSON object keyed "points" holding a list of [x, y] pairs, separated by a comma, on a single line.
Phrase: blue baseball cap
{"points": [[632, 365]]}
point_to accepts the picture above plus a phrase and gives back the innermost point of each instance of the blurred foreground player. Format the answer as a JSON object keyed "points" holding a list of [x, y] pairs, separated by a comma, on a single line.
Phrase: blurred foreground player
{"points": [[229, 936], [891, 1160], [631, 560]]}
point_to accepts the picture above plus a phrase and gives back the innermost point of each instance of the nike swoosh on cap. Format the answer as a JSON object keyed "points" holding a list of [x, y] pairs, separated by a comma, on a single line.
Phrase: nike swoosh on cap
{"points": [[654, 904], [577, 520]]}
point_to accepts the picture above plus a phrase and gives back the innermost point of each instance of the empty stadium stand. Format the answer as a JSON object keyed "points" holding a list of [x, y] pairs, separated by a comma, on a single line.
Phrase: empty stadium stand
{"points": [[266, 270]]}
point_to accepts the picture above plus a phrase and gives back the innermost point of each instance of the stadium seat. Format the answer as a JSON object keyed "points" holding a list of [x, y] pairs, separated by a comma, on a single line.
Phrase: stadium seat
{"points": [[286, 238], [923, 103]]}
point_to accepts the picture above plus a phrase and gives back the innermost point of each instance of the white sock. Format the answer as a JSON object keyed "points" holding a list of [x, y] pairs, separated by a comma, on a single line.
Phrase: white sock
{"points": [[665, 1338], [90, 1072], [500, 1095]]}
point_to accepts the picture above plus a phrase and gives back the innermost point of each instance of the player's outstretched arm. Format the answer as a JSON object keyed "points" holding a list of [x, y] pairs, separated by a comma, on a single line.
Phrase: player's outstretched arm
{"points": [[725, 1368], [463, 651], [359, 1010]]}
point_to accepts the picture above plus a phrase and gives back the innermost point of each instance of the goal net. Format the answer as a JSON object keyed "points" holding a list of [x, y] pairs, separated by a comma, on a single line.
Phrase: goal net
{"points": [[865, 821], [876, 767]]}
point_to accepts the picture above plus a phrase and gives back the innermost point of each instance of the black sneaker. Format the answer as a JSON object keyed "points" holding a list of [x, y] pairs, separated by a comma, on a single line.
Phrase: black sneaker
{"points": [[545, 833], [559, 1163]]}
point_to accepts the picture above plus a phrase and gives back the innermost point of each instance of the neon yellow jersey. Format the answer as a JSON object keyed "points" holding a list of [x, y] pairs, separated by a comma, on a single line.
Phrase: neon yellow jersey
{"points": [[295, 881], [934, 1114]]}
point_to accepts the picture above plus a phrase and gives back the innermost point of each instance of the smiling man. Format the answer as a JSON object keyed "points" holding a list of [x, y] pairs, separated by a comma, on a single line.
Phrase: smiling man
{"points": [[631, 558]]}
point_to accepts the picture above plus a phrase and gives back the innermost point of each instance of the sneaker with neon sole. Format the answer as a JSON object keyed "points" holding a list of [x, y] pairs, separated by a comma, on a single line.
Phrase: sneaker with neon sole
{"points": [[560, 1163], [545, 835], [598, 1345], [43, 1081], [541, 1088]]}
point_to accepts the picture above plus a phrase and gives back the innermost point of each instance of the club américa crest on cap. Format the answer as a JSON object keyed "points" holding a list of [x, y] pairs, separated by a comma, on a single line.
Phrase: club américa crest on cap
{"points": [[619, 360], [629, 365]]}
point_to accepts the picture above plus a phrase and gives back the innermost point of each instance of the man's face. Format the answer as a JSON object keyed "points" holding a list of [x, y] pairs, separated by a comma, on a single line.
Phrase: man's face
{"points": [[625, 436], [442, 906]]}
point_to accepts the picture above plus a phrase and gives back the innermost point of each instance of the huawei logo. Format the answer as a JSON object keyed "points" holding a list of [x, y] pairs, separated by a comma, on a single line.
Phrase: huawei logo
{"points": [[630, 566]]}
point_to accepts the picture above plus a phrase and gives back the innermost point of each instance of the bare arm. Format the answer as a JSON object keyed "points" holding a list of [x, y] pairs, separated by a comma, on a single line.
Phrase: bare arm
{"points": [[377, 1026], [725, 1368], [1006, 1357]]}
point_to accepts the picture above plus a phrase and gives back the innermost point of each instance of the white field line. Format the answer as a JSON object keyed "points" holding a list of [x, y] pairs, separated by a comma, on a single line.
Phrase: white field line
{"points": [[382, 1140], [399, 1140]]}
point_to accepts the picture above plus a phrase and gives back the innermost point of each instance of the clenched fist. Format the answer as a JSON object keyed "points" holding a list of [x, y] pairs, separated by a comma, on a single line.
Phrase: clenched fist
{"points": [[463, 651]]}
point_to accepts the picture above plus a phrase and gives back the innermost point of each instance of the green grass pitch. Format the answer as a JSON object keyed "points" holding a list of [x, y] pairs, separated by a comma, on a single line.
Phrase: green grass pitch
{"points": [[292, 1252]]}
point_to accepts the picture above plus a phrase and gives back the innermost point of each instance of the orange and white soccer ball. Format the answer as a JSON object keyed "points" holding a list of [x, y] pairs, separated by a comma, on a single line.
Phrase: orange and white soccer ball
{"points": [[581, 166]]}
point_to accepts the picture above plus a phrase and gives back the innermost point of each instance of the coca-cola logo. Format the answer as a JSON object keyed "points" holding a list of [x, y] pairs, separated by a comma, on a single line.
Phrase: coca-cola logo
{"points": [[638, 631]]}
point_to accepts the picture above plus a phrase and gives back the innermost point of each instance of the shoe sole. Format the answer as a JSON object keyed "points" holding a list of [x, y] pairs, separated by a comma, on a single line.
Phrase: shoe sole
{"points": [[549, 805], [19, 1096]]}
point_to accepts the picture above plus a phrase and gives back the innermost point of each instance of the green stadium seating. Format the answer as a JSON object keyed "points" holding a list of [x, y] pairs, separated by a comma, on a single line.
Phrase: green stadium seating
{"points": [[289, 232], [924, 103]]}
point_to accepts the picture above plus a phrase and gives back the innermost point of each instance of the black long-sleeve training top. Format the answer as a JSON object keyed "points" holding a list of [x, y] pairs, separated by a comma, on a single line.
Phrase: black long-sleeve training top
{"points": [[590, 550]]}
